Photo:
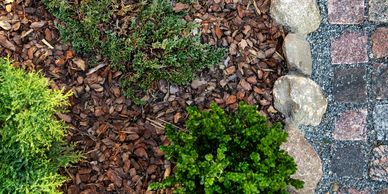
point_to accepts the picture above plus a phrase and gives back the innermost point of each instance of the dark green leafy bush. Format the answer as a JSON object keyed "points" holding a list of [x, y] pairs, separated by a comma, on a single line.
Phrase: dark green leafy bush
{"points": [[32, 148], [155, 44], [228, 153]]}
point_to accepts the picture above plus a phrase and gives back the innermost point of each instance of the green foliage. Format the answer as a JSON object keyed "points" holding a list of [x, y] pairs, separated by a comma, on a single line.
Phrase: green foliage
{"points": [[32, 147], [228, 153], [159, 43]]}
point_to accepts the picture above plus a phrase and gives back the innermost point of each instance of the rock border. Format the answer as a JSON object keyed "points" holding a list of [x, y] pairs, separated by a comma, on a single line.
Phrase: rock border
{"points": [[296, 96]]}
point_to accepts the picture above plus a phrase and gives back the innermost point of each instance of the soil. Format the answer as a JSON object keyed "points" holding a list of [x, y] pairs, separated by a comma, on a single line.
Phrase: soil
{"points": [[120, 139]]}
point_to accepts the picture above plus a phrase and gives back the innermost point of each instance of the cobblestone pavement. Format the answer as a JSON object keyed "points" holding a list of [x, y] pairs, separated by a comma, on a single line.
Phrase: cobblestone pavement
{"points": [[350, 63]]}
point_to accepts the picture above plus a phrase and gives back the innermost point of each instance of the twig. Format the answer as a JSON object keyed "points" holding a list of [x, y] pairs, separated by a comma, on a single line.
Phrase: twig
{"points": [[70, 175], [280, 55], [155, 123], [94, 150], [26, 34], [257, 9], [249, 4], [267, 70], [94, 69], [160, 125], [47, 43], [165, 122]]}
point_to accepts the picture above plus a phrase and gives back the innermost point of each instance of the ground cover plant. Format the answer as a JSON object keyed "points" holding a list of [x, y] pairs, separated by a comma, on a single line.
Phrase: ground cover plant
{"points": [[147, 39], [32, 146], [228, 153], [99, 115]]}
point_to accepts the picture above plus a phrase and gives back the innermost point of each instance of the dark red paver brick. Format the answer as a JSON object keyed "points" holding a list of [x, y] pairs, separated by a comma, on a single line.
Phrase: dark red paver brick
{"points": [[346, 11], [350, 47], [350, 84], [380, 77], [351, 125], [380, 42], [348, 161], [378, 11]]}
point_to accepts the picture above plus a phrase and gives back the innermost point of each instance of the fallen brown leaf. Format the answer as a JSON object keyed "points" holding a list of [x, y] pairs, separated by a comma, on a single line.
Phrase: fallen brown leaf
{"points": [[80, 63]]}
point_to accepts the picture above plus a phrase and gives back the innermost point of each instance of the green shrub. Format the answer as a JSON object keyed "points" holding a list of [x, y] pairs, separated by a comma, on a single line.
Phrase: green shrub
{"points": [[159, 44], [32, 147], [228, 153]]}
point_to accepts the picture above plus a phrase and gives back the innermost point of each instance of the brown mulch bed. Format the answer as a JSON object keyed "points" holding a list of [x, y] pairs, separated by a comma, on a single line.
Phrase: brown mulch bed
{"points": [[121, 140]]}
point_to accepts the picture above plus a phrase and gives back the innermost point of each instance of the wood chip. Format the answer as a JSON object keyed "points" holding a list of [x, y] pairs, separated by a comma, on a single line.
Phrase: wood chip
{"points": [[218, 31], [37, 24], [5, 25], [6, 43], [180, 7], [231, 99], [8, 8], [245, 85]]}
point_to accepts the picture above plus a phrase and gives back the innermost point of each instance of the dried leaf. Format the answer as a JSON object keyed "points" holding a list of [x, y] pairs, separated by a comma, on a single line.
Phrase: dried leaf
{"points": [[80, 63]]}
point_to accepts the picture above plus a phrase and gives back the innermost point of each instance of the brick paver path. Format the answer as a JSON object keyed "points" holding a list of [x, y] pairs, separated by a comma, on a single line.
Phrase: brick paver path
{"points": [[350, 53]]}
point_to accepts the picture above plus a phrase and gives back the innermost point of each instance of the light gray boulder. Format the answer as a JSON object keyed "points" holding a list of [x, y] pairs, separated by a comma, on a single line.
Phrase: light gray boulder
{"points": [[300, 99], [301, 16], [298, 54]]}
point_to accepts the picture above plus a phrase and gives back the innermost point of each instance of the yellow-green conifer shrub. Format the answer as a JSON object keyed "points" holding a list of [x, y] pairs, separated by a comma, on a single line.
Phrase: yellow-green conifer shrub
{"points": [[32, 146]]}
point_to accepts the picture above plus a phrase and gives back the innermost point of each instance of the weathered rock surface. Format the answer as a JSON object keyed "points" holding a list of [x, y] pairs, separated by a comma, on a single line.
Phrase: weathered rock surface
{"points": [[379, 164], [298, 53], [380, 121], [300, 99], [351, 125], [302, 16], [308, 162], [378, 11]]}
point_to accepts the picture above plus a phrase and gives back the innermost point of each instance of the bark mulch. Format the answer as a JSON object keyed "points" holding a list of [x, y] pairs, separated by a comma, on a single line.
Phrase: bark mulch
{"points": [[120, 139]]}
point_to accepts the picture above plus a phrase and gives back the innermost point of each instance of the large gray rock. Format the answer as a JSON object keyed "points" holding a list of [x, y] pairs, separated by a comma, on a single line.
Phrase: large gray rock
{"points": [[300, 99], [308, 162], [298, 54], [302, 16]]}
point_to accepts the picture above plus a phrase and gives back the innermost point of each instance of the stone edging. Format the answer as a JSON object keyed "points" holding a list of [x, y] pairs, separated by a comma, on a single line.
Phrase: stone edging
{"points": [[298, 97]]}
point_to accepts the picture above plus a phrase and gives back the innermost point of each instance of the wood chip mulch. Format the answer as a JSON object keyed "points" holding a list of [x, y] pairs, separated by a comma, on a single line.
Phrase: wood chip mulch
{"points": [[121, 140]]}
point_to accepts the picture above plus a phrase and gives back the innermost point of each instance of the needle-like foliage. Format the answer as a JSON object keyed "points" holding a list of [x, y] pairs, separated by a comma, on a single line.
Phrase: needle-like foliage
{"points": [[146, 40], [32, 146]]}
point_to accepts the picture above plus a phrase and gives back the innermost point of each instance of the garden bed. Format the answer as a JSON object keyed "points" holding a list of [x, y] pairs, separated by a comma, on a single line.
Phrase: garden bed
{"points": [[121, 139]]}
